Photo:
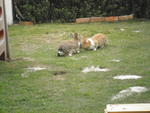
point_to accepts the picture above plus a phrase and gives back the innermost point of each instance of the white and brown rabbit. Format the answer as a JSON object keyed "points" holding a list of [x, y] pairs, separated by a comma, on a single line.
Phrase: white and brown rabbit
{"points": [[70, 47], [97, 41]]}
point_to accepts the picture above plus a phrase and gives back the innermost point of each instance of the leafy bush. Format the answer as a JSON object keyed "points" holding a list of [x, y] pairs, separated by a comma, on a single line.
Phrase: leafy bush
{"points": [[40, 11], [34, 10]]}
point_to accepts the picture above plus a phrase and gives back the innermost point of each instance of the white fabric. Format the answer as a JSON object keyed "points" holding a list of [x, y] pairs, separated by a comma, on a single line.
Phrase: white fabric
{"points": [[92, 43]]}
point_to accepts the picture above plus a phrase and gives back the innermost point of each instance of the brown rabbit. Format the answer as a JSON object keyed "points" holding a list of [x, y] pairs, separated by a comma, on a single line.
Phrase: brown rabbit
{"points": [[70, 47], [97, 41]]}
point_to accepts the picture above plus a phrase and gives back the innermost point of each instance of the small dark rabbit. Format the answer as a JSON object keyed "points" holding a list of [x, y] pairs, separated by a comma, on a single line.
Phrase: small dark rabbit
{"points": [[70, 47]]}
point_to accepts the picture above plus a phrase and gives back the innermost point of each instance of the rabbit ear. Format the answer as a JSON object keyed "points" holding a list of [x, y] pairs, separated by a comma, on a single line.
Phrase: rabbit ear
{"points": [[81, 37], [75, 35], [72, 35]]}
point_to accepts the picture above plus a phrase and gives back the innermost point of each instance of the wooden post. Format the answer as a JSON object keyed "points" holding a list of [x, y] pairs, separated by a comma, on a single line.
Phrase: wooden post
{"points": [[4, 47]]}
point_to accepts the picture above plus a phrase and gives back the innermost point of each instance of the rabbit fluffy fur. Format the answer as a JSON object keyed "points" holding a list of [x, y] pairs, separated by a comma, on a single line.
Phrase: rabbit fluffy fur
{"points": [[69, 47], [97, 41]]}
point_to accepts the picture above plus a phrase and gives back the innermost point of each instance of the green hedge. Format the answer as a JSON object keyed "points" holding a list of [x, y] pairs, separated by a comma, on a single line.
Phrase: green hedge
{"points": [[40, 11]]}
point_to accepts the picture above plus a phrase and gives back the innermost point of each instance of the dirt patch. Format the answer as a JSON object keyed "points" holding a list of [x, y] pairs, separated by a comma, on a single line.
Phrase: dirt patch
{"points": [[30, 46], [17, 59], [59, 73], [82, 57], [52, 38], [28, 59], [58, 77]]}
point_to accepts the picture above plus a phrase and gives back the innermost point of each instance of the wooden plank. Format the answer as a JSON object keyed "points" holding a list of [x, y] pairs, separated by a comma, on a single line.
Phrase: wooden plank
{"points": [[128, 108], [123, 17], [111, 19], [4, 48], [82, 20], [97, 19], [1, 24]]}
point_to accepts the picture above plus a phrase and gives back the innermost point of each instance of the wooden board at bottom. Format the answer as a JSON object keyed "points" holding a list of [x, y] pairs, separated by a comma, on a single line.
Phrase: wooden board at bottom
{"points": [[128, 108]]}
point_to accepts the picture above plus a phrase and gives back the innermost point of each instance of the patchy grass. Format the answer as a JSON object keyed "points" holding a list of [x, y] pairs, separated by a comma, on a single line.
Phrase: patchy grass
{"points": [[62, 87]]}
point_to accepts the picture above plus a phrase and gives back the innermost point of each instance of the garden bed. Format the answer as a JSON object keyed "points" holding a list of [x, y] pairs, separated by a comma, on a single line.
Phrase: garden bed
{"points": [[105, 19]]}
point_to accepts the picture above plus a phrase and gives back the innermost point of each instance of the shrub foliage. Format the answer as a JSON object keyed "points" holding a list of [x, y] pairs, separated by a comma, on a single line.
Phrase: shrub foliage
{"points": [[40, 11]]}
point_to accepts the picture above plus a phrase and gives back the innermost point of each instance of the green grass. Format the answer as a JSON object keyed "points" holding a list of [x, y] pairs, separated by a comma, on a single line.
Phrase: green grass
{"points": [[41, 92]]}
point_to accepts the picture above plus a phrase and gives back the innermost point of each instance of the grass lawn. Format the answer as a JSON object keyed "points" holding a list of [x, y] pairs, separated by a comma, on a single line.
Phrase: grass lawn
{"points": [[62, 87]]}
